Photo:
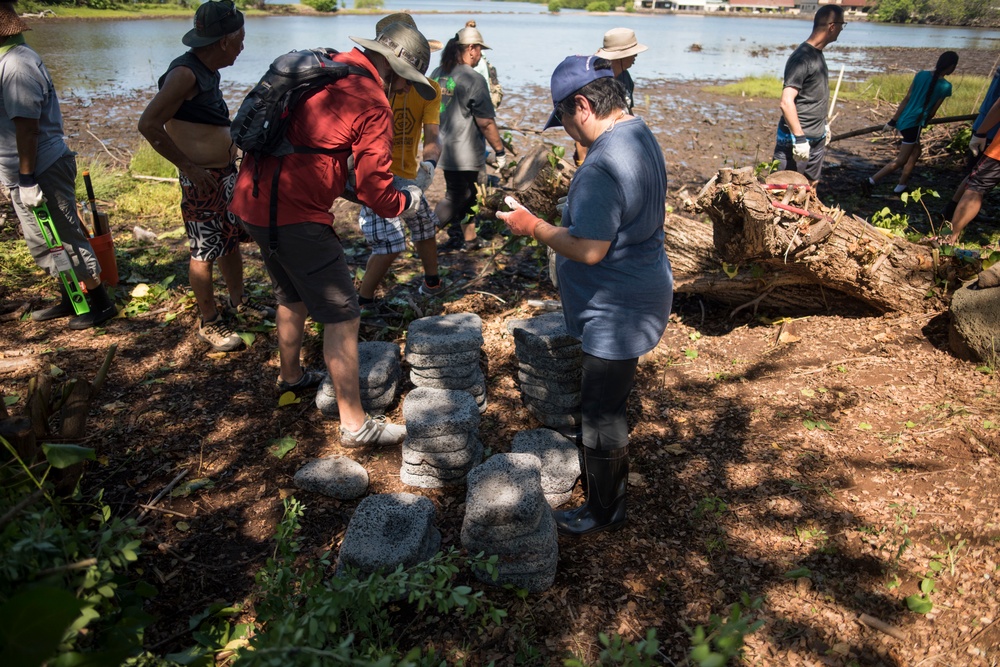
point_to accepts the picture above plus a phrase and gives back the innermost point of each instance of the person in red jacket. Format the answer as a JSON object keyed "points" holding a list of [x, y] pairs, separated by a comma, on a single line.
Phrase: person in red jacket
{"points": [[304, 257]]}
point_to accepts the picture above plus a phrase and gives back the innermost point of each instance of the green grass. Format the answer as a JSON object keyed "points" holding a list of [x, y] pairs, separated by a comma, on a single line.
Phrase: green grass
{"points": [[148, 162], [967, 91]]}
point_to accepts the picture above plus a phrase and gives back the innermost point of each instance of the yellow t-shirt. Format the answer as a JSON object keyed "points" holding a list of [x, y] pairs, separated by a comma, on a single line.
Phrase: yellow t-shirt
{"points": [[410, 113]]}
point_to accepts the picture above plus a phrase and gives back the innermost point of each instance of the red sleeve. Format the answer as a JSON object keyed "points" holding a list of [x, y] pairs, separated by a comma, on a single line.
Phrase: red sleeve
{"points": [[373, 161]]}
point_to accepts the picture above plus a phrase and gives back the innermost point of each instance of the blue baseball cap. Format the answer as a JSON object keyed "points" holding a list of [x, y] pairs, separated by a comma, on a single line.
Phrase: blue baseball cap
{"points": [[571, 75]]}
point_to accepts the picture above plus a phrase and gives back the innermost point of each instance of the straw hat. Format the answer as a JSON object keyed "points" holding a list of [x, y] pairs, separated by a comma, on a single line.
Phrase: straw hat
{"points": [[620, 43], [212, 22], [469, 35], [408, 54], [406, 19], [10, 22]]}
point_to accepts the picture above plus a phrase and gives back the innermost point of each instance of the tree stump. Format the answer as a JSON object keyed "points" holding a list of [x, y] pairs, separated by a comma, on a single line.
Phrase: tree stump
{"points": [[787, 242]]}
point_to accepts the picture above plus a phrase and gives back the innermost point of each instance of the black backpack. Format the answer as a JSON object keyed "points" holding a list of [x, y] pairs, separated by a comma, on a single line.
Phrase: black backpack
{"points": [[260, 124]]}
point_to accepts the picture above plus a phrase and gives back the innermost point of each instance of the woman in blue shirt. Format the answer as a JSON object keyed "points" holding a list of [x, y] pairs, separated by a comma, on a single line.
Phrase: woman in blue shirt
{"points": [[927, 91]]}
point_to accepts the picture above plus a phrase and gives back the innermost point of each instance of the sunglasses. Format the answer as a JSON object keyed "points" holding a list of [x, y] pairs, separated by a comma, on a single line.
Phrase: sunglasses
{"points": [[229, 13]]}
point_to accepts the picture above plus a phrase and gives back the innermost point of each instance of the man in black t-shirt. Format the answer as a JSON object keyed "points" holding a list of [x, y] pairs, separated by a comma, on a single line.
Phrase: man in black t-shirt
{"points": [[803, 130]]}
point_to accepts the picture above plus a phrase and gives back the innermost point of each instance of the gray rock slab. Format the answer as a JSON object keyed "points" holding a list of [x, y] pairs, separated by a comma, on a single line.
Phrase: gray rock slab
{"points": [[335, 476], [559, 421], [569, 386], [557, 370], [463, 370], [429, 481], [545, 332], [375, 402], [442, 359], [532, 354], [560, 459], [541, 540], [458, 332], [388, 530], [558, 499], [432, 412], [451, 442], [470, 455], [463, 382], [563, 399], [549, 408], [507, 488], [974, 329]]}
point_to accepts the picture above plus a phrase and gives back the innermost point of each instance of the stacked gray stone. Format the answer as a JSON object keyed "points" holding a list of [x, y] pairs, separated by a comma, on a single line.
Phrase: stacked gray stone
{"points": [[442, 437], [506, 515], [550, 369], [443, 353], [560, 459], [389, 530], [379, 372]]}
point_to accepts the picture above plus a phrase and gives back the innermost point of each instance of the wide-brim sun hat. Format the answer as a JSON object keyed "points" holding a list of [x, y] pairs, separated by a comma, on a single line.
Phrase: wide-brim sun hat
{"points": [[10, 23], [213, 21], [407, 52], [469, 36], [620, 43], [571, 75], [405, 19]]}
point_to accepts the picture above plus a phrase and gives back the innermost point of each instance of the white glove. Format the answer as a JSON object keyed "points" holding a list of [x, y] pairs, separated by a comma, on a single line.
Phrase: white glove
{"points": [[976, 145], [889, 127], [829, 135], [425, 174], [561, 204], [31, 195], [415, 195], [501, 160], [801, 150]]}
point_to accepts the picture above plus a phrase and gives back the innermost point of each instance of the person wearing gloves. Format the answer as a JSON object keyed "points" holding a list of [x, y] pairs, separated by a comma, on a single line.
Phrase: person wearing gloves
{"points": [[467, 118], [37, 167], [803, 132], [411, 115], [984, 177], [615, 281], [923, 99], [308, 269]]}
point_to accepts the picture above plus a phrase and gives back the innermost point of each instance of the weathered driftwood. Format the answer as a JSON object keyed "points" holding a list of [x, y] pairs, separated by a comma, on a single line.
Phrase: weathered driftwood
{"points": [[825, 249], [538, 181]]}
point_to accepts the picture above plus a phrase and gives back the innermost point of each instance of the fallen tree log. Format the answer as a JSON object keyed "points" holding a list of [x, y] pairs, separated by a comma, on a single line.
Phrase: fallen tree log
{"points": [[876, 128], [828, 249]]}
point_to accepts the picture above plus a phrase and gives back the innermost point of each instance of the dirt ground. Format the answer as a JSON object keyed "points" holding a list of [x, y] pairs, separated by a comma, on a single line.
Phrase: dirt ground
{"points": [[826, 463]]}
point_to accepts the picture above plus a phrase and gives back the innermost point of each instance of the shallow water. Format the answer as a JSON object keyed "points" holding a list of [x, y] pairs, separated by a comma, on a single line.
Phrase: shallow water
{"points": [[100, 57]]}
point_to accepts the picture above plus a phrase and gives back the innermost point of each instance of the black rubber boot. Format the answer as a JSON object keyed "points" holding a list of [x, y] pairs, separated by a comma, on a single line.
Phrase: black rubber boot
{"points": [[62, 309], [607, 480], [102, 309]]}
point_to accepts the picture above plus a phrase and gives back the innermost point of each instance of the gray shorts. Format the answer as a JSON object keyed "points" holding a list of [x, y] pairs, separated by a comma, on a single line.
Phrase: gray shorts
{"points": [[812, 168], [58, 184], [309, 267]]}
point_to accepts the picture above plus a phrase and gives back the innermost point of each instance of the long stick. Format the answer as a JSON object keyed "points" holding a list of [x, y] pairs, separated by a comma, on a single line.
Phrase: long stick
{"points": [[836, 92], [162, 493], [876, 128]]}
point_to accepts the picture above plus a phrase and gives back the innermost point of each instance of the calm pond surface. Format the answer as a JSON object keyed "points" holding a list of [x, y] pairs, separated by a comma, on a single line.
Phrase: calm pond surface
{"points": [[90, 58]]}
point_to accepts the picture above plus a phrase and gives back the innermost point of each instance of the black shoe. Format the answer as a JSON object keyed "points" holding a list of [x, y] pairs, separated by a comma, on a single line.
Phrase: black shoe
{"points": [[604, 509], [452, 244], [62, 309], [102, 309]]}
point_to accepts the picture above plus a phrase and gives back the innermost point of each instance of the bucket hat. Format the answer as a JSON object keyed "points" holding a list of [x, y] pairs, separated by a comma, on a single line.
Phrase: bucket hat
{"points": [[408, 54], [620, 43], [571, 75], [469, 35], [213, 21], [405, 19], [10, 22]]}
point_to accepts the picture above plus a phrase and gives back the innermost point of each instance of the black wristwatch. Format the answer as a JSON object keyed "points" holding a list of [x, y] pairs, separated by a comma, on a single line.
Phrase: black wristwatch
{"points": [[801, 139]]}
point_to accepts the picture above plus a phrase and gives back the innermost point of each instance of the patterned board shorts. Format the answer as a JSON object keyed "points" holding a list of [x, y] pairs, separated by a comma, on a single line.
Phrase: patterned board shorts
{"points": [[985, 176], [212, 230], [385, 235]]}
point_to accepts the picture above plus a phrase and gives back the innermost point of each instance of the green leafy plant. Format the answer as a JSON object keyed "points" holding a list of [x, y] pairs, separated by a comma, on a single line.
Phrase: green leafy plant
{"points": [[145, 297], [921, 602], [618, 651], [557, 153], [308, 617], [65, 597], [598, 6], [917, 195], [323, 5], [554, 6], [765, 168], [959, 143], [887, 219], [723, 640]]}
